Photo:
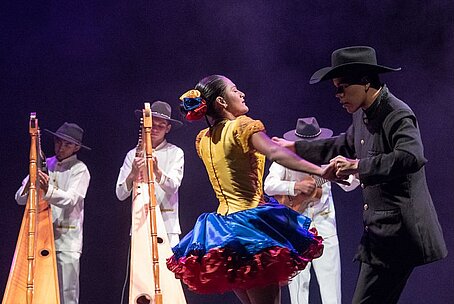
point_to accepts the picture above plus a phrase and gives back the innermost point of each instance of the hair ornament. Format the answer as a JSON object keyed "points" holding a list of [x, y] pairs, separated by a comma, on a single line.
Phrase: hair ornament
{"points": [[193, 105]]}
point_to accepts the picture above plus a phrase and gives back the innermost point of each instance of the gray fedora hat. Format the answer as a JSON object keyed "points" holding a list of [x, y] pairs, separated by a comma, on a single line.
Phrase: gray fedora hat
{"points": [[348, 60], [163, 110], [308, 129], [70, 132]]}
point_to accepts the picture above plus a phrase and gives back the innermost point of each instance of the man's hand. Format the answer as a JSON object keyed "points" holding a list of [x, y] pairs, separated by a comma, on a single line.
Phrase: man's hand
{"points": [[157, 172], [43, 181], [137, 165], [344, 166], [284, 143], [330, 173], [305, 186], [135, 175]]}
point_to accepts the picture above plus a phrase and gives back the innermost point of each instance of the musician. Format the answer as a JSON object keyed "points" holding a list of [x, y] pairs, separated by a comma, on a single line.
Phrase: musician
{"points": [[383, 148], [168, 165], [65, 186], [319, 207]]}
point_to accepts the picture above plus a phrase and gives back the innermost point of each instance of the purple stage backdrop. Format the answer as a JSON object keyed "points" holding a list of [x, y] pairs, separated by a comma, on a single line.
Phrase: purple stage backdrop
{"points": [[94, 62]]}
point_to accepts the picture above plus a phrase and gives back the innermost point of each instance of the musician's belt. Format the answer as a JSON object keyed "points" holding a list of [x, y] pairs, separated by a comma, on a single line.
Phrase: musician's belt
{"points": [[167, 210]]}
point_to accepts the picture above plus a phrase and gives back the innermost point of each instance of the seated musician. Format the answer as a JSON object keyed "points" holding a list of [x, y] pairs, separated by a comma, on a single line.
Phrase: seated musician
{"points": [[313, 199], [168, 169], [65, 186]]}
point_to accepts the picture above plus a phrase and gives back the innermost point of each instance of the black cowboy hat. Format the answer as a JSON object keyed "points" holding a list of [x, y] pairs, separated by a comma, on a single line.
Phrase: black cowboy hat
{"points": [[308, 129], [163, 110], [70, 132], [348, 60]]}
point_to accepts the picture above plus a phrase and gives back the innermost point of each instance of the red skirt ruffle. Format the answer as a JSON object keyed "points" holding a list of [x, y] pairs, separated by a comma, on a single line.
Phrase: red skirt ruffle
{"points": [[219, 271]]}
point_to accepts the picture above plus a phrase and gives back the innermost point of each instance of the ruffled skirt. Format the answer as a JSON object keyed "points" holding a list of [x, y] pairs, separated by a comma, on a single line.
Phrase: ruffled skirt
{"points": [[257, 247]]}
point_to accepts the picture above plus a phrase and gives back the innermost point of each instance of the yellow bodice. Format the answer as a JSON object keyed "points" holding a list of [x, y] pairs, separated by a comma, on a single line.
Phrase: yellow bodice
{"points": [[234, 167]]}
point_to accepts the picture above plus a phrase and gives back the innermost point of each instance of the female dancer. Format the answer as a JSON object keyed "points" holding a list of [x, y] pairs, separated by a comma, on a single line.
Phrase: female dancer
{"points": [[252, 243]]}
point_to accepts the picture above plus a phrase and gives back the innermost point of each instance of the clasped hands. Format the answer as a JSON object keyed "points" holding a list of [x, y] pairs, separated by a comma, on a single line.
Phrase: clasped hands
{"points": [[340, 168]]}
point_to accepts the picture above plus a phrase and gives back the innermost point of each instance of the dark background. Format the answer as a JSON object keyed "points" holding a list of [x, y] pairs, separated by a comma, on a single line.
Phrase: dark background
{"points": [[94, 62]]}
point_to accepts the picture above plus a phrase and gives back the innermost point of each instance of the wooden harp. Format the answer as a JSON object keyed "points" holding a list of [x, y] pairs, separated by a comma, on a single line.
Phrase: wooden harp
{"points": [[33, 275], [150, 281]]}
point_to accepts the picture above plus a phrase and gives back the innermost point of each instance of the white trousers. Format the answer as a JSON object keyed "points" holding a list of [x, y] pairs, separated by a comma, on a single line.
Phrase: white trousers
{"points": [[68, 267], [327, 268], [174, 239]]}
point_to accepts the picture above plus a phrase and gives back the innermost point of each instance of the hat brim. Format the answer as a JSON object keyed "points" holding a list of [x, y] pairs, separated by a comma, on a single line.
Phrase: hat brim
{"points": [[175, 123], [351, 67], [67, 138], [324, 133]]}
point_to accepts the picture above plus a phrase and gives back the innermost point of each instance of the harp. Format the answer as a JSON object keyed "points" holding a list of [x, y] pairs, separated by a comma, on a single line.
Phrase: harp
{"points": [[150, 281], [33, 275]]}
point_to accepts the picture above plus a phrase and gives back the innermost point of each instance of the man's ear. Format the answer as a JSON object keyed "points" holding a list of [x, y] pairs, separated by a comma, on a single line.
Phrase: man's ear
{"points": [[365, 79], [76, 148], [169, 126]]}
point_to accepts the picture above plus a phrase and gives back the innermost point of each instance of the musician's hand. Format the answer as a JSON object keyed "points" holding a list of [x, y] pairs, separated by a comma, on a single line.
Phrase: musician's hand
{"points": [[157, 172], [43, 181], [284, 143], [137, 165], [135, 175], [305, 186], [345, 167]]}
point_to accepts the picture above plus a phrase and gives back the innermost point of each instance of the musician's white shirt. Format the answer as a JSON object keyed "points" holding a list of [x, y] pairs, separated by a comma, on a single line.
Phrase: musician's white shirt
{"points": [[68, 184], [281, 181], [171, 162]]}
